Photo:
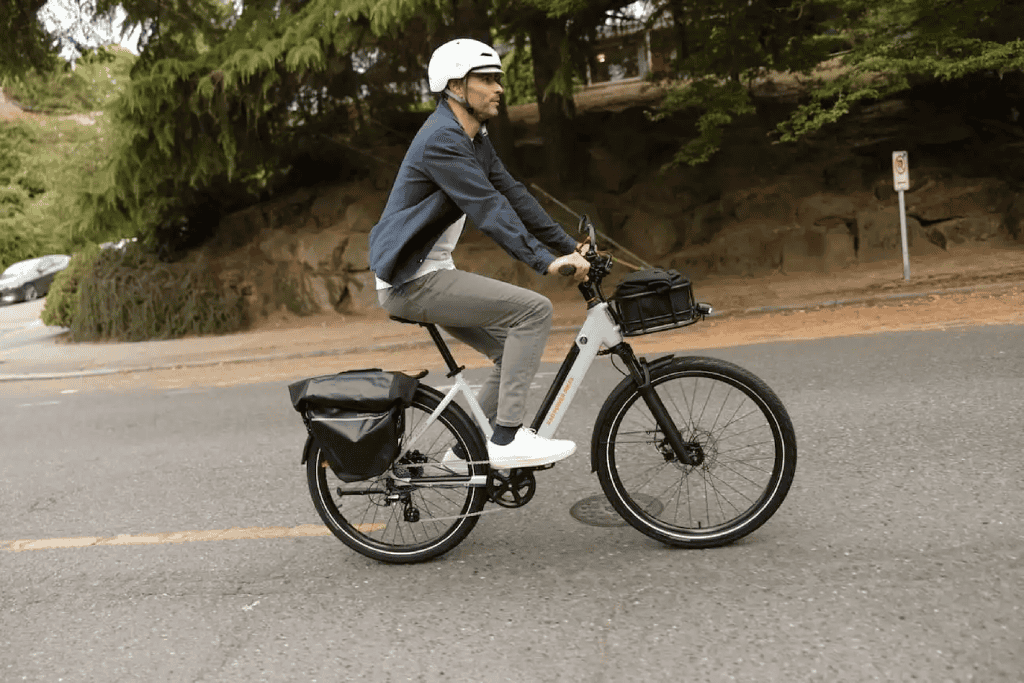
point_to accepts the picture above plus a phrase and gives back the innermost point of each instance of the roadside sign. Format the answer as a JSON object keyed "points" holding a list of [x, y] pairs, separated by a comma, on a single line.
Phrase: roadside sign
{"points": [[901, 181], [900, 171]]}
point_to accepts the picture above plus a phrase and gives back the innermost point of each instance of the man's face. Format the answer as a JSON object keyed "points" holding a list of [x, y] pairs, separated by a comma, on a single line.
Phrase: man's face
{"points": [[483, 93]]}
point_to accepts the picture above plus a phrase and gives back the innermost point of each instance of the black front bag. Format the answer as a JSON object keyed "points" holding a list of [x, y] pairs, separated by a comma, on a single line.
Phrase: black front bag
{"points": [[654, 299], [356, 418]]}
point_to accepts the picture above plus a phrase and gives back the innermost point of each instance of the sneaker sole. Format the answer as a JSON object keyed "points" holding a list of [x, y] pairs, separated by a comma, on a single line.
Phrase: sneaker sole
{"points": [[533, 462]]}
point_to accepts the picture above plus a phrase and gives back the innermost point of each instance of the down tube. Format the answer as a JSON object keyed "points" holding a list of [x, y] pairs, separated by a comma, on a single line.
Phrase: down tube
{"points": [[556, 385], [598, 330]]}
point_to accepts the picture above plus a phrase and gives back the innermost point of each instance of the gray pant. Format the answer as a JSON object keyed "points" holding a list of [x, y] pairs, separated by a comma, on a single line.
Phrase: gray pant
{"points": [[508, 324]]}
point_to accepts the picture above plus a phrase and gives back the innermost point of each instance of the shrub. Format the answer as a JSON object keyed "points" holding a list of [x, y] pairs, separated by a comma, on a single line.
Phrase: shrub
{"points": [[20, 238], [16, 140], [61, 306], [12, 201], [129, 295], [32, 182], [57, 91]]}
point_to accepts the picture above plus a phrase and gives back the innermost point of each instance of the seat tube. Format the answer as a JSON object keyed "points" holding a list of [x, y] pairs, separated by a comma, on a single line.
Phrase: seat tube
{"points": [[449, 360]]}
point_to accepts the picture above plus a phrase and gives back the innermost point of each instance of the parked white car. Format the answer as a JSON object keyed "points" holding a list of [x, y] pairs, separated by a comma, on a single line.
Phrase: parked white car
{"points": [[28, 280]]}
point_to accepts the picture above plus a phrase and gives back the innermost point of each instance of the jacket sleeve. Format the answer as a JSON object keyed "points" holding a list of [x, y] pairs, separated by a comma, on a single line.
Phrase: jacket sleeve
{"points": [[536, 219], [449, 160]]}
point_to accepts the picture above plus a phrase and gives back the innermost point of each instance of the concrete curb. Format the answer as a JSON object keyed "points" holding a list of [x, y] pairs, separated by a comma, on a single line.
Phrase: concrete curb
{"points": [[426, 343]]}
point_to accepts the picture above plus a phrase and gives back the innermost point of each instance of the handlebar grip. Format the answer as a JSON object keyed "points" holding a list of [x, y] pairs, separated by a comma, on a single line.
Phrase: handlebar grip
{"points": [[567, 269]]}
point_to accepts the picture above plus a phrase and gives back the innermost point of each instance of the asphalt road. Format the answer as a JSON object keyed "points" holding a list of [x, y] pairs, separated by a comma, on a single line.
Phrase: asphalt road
{"points": [[20, 327], [897, 556]]}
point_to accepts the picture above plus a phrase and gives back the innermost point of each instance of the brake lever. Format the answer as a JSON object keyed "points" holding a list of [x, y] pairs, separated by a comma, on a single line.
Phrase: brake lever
{"points": [[592, 237]]}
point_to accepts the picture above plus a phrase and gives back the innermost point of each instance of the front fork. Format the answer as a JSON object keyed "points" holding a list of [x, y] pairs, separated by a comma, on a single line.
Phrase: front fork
{"points": [[640, 371]]}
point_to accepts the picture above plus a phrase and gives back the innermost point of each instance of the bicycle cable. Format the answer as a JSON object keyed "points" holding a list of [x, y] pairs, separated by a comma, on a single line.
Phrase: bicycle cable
{"points": [[621, 371]]}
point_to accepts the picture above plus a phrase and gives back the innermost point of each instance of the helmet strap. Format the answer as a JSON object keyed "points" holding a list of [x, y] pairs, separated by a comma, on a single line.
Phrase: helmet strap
{"points": [[458, 98]]}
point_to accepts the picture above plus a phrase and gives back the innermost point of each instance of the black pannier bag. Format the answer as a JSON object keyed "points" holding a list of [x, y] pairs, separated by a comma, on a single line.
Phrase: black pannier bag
{"points": [[356, 418], [654, 299]]}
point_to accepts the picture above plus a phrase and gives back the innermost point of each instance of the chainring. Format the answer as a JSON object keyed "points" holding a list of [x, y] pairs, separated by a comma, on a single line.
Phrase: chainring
{"points": [[512, 490]]}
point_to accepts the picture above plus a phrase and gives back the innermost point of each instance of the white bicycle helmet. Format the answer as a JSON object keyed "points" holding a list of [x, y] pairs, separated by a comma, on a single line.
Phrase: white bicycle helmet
{"points": [[456, 58]]}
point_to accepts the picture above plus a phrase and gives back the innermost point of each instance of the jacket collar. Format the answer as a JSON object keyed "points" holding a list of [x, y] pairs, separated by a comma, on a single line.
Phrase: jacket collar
{"points": [[444, 109]]}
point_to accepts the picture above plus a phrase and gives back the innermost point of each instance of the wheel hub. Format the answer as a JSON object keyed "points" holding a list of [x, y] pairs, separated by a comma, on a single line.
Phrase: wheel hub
{"points": [[697, 447]]}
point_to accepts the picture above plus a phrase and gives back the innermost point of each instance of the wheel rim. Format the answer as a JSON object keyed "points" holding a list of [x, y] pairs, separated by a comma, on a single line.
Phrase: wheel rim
{"points": [[742, 447], [30, 293], [379, 519]]}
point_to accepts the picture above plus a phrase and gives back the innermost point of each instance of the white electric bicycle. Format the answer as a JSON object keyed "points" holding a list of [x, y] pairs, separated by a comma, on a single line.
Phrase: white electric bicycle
{"points": [[694, 452]]}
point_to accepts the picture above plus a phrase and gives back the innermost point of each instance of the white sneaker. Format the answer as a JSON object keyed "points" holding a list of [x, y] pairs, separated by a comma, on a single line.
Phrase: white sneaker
{"points": [[528, 450], [454, 463]]}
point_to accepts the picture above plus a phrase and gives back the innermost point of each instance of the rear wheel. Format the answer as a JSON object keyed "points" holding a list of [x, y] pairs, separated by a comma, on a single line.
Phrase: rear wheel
{"points": [[392, 519], [726, 416]]}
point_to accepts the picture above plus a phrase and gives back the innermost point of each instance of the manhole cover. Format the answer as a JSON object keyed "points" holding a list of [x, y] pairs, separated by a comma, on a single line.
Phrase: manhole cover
{"points": [[597, 511]]}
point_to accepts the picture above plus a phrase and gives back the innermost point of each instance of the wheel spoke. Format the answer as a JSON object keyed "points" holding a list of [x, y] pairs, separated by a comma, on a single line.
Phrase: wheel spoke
{"points": [[376, 524], [720, 409]]}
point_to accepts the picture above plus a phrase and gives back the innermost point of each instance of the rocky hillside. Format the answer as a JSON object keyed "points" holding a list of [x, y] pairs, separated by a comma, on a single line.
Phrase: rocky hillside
{"points": [[817, 205]]}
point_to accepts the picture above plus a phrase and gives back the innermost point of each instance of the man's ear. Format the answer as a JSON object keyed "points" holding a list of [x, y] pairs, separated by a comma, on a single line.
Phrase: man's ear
{"points": [[457, 86]]}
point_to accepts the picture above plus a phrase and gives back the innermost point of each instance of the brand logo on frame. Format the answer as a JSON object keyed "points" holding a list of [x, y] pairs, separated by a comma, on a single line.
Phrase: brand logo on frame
{"points": [[561, 399]]}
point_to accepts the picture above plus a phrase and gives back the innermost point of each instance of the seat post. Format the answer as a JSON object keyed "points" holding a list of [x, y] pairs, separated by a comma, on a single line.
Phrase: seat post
{"points": [[446, 353]]}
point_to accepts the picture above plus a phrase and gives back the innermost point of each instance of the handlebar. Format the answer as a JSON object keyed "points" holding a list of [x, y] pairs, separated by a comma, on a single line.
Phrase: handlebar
{"points": [[600, 266], [588, 227]]}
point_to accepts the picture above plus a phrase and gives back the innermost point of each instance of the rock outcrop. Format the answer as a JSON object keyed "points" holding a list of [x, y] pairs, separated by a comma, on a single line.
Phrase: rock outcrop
{"points": [[819, 205]]}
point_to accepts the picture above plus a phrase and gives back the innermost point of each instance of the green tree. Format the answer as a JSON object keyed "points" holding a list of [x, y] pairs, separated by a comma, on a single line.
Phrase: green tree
{"points": [[217, 117], [25, 44], [518, 82], [556, 33], [896, 45], [723, 45], [884, 47], [223, 109]]}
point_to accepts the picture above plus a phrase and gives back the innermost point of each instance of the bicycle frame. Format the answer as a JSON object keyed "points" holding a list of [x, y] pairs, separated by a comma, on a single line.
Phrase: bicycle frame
{"points": [[599, 329]]}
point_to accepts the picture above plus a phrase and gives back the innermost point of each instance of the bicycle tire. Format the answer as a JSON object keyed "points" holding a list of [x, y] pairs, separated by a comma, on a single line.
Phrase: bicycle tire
{"points": [[374, 525], [746, 472]]}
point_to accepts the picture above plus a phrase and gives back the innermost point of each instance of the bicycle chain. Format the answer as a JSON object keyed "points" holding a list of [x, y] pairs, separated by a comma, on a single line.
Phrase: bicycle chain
{"points": [[471, 514], [499, 508]]}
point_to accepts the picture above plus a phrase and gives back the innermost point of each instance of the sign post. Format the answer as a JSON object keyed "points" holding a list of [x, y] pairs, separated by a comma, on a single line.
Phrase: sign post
{"points": [[901, 182]]}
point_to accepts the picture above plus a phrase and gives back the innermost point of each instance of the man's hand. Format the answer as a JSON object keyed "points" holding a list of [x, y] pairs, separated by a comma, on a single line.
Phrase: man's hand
{"points": [[575, 260]]}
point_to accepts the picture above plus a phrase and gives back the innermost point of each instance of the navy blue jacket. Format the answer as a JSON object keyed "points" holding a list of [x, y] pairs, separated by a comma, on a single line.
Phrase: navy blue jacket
{"points": [[446, 174]]}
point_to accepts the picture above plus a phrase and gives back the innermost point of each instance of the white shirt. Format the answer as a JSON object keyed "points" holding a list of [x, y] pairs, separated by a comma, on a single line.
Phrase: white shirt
{"points": [[440, 256]]}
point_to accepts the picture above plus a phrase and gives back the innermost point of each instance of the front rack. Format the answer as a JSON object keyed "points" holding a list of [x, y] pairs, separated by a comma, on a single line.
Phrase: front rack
{"points": [[654, 311]]}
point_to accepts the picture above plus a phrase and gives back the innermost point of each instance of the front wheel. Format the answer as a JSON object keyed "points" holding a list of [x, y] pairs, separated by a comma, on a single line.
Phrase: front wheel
{"points": [[731, 420], [392, 518]]}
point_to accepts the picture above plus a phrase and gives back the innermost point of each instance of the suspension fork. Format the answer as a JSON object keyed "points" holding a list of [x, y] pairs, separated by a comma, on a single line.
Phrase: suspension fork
{"points": [[641, 374]]}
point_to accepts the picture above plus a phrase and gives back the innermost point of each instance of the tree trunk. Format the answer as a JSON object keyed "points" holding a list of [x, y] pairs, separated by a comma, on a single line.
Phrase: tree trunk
{"points": [[472, 22], [556, 111], [682, 39]]}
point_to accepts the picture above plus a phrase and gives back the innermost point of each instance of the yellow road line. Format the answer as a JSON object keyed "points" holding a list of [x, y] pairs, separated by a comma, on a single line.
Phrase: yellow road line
{"points": [[232, 534]]}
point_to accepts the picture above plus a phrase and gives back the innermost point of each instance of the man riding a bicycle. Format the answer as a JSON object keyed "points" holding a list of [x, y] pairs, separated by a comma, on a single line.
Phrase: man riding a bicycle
{"points": [[449, 172]]}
